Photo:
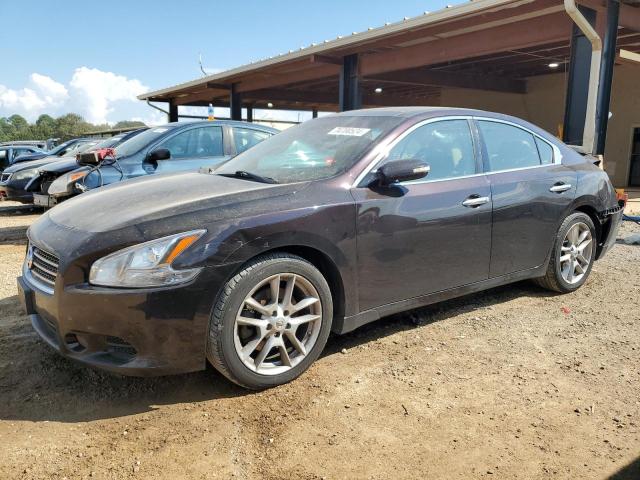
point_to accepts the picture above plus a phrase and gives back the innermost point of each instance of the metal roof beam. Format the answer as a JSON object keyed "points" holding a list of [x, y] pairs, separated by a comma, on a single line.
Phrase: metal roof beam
{"points": [[546, 29]]}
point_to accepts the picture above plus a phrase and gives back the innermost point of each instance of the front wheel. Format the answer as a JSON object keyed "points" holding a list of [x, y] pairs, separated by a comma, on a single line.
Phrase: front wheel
{"points": [[573, 254], [271, 321]]}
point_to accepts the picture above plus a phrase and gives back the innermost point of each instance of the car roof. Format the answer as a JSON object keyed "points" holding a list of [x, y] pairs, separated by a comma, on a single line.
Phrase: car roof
{"points": [[410, 112], [232, 123]]}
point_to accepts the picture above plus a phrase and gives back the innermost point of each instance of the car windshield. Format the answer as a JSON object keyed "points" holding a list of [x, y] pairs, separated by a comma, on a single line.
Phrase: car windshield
{"points": [[59, 148], [135, 144], [317, 149], [83, 147]]}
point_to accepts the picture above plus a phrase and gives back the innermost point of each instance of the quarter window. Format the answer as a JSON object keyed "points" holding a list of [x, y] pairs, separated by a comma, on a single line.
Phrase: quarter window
{"points": [[446, 146], [508, 147], [545, 150], [195, 143], [245, 138]]}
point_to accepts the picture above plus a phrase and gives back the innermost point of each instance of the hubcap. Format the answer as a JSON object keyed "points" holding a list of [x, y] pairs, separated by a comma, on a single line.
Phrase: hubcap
{"points": [[576, 253], [278, 324]]}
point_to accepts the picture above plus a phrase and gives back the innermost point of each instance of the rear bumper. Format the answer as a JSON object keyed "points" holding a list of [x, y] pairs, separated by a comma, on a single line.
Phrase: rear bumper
{"points": [[130, 332], [610, 230]]}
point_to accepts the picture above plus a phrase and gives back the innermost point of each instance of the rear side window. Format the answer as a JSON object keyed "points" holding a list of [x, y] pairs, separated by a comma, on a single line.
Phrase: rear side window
{"points": [[245, 138], [508, 147], [545, 150], [445, 145]]}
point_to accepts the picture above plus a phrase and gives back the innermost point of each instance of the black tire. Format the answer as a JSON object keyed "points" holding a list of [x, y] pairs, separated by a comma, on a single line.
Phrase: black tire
{"points": [[221, 351], [553, 279]]}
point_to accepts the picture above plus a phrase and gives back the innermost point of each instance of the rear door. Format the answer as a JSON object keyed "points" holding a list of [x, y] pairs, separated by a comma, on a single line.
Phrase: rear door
{"points": [[424, 236], [245, 138], [531, 191]]}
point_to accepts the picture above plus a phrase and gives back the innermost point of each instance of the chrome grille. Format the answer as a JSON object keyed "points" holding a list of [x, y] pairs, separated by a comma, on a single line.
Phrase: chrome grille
{"points": [[42, 265]]}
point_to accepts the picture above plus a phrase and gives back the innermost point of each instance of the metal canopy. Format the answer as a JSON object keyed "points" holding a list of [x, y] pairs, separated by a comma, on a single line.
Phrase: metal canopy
{"points": [[492, 45]]}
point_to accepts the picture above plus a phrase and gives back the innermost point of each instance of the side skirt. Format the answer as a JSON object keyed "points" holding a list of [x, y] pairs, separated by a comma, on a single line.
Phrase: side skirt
{"points": [[352, 322]]}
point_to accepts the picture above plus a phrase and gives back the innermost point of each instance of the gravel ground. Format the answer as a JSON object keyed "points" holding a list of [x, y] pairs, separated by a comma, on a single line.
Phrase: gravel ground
{"points": [[510, 383]]}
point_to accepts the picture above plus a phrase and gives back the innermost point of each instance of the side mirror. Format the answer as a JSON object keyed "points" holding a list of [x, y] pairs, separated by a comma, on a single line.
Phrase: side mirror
{"points": [[159, 154], [402, 171]]}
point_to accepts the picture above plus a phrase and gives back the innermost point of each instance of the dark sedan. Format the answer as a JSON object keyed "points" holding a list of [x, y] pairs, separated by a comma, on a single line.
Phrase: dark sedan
{"points": [[325, 227]]}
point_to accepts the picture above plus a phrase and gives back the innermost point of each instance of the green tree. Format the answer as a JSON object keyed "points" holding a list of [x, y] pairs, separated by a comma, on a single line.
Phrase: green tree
{"points": [[129, 124]]}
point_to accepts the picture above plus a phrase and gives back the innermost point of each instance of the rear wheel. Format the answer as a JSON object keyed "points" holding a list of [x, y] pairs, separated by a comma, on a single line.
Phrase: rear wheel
{"points": [[572, 256], [271, 321]]}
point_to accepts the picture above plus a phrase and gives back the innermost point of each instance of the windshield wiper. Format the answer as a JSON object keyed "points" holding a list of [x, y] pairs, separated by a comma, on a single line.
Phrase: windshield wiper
{"points": [[248, 176]]}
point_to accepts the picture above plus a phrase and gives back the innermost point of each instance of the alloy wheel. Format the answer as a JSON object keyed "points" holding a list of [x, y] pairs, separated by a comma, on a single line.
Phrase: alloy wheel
{"points": [[576, 253], [278, 324]]}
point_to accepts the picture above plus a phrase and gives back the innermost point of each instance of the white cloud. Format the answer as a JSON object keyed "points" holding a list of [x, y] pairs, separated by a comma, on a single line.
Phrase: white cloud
{"points": [[95, 91], [98, 96], [41, 93]]}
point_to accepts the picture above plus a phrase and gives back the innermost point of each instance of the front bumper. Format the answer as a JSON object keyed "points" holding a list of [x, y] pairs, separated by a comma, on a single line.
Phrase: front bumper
{"points": [[131, 332], [14, 194]]}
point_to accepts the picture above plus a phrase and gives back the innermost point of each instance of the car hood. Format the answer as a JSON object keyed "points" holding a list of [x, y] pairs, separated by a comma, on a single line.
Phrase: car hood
{"points": [[197, 198], [27, 157], [16, 167], [63, 165]]}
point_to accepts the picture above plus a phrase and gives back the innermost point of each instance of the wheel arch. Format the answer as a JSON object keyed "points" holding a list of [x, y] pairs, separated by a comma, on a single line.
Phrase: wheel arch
{"points": [[331, 264]]}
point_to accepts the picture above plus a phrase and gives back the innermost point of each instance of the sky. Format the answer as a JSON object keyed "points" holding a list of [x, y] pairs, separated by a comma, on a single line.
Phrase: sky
{"points": [[94, 58]]}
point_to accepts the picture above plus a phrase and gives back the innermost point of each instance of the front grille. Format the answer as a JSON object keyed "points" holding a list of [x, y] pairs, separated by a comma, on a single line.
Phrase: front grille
{"points": [[43, 265], [4, 177]]}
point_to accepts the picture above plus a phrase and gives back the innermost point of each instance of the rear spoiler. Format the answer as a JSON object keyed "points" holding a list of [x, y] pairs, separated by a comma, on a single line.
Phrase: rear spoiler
{"points": [[597, 161]]}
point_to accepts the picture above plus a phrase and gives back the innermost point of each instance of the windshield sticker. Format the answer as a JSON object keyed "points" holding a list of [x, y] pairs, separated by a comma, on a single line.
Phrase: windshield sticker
{"points": [[349, 131], [159, 130]]}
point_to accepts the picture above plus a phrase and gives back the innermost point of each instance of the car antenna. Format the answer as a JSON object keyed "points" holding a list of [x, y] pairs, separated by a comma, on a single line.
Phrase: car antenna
{"points": [[201, 67]]}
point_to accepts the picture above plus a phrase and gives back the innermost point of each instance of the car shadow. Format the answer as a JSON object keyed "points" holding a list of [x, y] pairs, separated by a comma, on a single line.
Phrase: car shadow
{"points": [[37, 384], [628, 472], [17, 210]]}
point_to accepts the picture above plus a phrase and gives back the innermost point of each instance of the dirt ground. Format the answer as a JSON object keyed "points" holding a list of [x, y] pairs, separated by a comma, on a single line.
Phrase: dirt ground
{"points": [[511, 383]]}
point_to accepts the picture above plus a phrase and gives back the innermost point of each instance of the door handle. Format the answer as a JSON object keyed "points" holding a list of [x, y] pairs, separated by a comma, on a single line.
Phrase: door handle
{"points": [[475, 201], [560, 187]]}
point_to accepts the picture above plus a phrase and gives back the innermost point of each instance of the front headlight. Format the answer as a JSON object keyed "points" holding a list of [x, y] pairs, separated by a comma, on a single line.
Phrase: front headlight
{"points": [[147, 264], [24, 174]]}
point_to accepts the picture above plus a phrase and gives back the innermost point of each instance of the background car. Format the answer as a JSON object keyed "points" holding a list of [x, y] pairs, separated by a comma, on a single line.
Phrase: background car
{"points": [[10, 153], [14, 179], [66, 148], [47, 173], [251, 266], [172, 147]]}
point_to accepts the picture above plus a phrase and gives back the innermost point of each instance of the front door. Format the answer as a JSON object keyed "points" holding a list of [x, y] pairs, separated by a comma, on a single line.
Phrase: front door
{"points": [[429, 235], [192, 149], [531, 191]]}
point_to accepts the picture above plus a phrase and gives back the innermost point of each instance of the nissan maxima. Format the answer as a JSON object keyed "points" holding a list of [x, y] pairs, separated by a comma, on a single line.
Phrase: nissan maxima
{"points": [[323, 228]]}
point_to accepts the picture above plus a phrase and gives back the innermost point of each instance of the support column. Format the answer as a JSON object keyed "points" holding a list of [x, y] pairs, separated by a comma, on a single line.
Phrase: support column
{"points": [[350, 93], [173, 112], [575, 108], [314, 113], [606, 75], [235, 104], [250, 112]]}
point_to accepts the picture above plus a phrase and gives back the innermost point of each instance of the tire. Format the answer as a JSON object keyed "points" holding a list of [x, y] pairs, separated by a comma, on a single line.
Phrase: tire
{"points": [[557, 277], [237, 327]]}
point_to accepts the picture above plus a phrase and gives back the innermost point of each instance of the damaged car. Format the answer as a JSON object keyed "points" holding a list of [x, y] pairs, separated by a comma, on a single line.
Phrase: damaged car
{"points": [[323, 228], [173, 147]]}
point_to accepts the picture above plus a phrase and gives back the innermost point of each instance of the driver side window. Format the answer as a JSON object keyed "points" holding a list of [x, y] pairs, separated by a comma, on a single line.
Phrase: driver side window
{"points": [[195, 143], [447, 146]]}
